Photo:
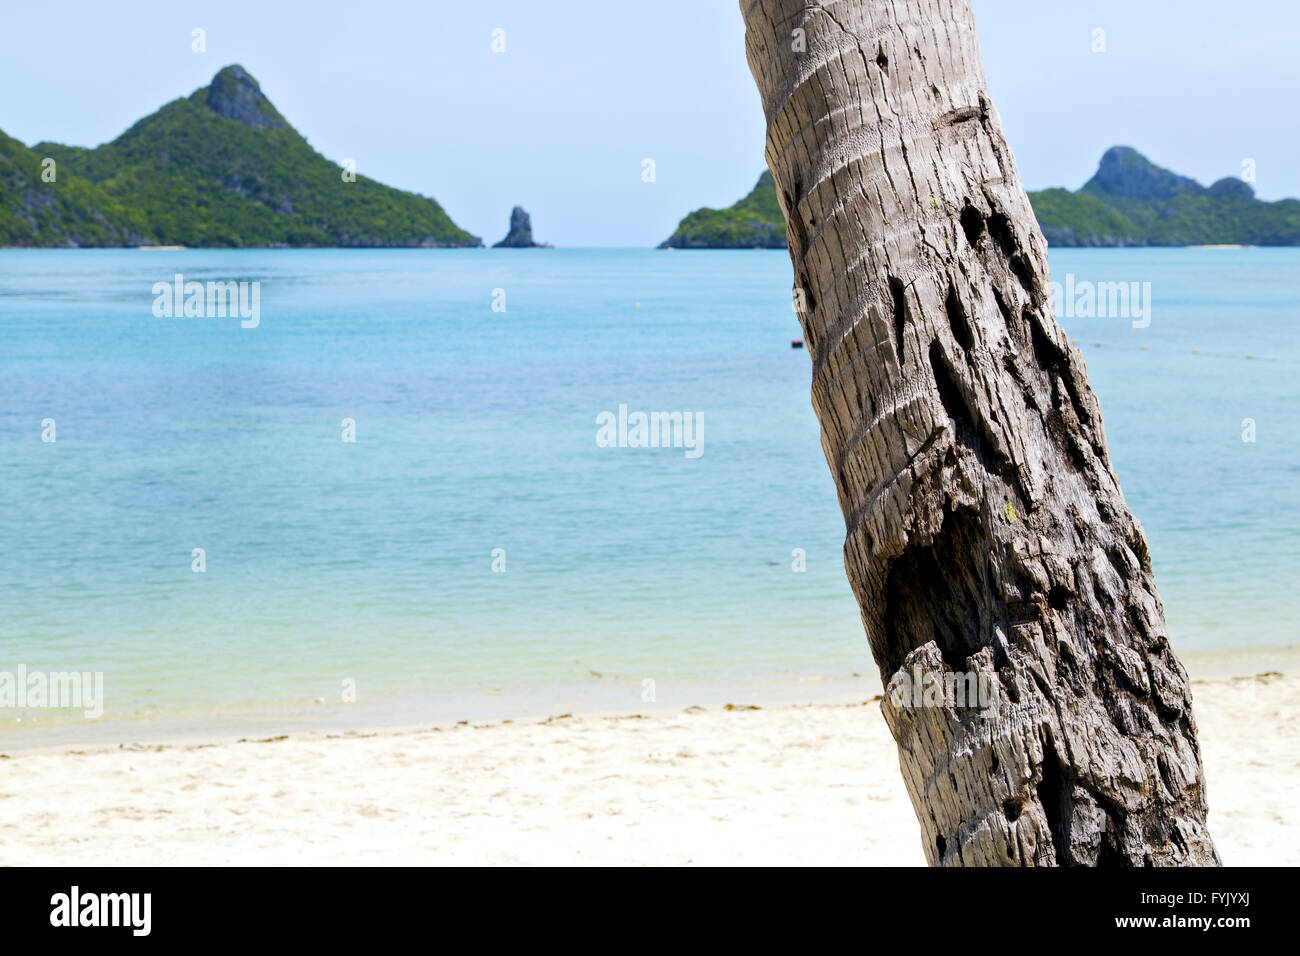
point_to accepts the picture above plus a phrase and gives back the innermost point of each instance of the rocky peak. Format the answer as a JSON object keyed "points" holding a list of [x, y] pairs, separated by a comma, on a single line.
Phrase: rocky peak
{"points": [[235, 95], [520, 235], [1127, 173]]}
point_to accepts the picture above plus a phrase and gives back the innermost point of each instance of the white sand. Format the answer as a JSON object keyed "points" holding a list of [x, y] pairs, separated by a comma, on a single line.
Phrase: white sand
{"points": [[816, 784]]}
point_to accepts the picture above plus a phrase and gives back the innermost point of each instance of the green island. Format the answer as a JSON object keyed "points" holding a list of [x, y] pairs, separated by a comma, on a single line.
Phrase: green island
{"points": [[220, 168], [755, 222], [1129, 202]]}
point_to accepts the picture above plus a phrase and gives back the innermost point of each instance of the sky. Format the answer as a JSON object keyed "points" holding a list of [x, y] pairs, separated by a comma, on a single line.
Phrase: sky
{"points": [[585, 91]]}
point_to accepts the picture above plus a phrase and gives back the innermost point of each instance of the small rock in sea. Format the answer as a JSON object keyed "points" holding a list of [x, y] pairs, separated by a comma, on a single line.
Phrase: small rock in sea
{"points": [[520, 235]]}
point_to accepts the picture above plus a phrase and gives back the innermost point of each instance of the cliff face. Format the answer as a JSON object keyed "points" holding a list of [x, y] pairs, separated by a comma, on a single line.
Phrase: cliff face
{"points": [[1130, 201], [236, 95], [219, 168]]}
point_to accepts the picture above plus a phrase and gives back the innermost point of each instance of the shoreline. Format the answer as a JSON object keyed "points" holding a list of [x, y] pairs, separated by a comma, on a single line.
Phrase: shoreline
{"points": [[412, 714], [810, 784]]}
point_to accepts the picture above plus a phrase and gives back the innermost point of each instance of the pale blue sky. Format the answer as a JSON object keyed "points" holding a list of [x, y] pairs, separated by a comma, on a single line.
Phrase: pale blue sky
{"points": [[587, 89]]}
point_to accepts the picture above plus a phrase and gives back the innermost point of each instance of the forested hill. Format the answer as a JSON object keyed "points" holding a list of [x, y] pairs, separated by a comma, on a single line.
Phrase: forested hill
{"points": [[219, 168], [755, 222], [1129, 202]]}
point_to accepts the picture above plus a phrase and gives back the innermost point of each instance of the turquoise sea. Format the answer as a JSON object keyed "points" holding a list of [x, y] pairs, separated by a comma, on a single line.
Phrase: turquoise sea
{"points": [[633, 577]]}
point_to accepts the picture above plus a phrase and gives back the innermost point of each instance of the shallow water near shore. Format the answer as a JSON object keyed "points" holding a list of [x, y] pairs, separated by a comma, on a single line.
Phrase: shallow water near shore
{"points": [[625, 577]]}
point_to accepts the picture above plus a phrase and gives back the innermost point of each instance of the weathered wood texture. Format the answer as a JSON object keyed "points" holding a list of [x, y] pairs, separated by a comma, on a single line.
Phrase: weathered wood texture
{"points": [[986, 530]]}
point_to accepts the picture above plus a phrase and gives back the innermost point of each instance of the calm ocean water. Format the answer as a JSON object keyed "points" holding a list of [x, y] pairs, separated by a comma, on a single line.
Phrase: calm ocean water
{"points": [[372, 562]]}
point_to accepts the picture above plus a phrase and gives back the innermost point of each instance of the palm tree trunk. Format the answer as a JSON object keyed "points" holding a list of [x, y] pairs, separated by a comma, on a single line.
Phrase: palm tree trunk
{"points": [[986, 531]]}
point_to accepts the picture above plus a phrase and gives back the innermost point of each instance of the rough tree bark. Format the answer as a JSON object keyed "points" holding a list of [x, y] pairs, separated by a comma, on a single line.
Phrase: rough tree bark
{"points": [[986, 531]]}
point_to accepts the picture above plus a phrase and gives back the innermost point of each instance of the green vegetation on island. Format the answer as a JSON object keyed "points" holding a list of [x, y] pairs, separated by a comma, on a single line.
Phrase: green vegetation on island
{"points": [[753, 223], [1133, 202], [1129, 202], [220, 168]]}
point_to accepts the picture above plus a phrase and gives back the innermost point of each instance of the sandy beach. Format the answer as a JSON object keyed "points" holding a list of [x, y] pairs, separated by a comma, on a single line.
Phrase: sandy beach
{"points": [[814, 784]]}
